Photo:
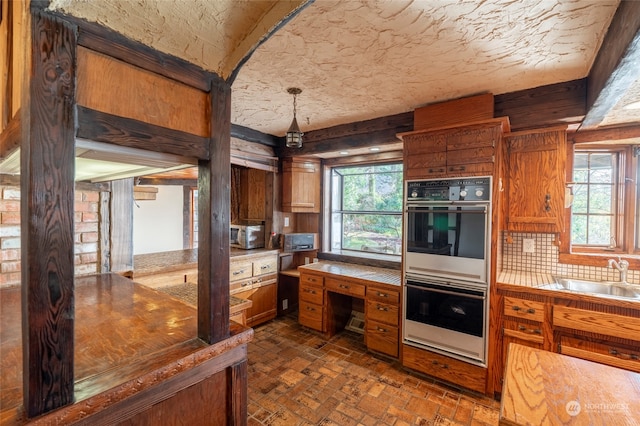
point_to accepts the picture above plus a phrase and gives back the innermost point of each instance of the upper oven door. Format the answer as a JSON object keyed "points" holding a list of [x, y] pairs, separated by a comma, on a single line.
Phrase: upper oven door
{"points": [[449, 240]]}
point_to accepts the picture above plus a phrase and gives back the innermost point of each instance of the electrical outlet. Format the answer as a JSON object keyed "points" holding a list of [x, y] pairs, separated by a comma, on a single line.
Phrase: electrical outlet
{"points": [[285, 304], [306, 260], [286, 221], [528, 245]]}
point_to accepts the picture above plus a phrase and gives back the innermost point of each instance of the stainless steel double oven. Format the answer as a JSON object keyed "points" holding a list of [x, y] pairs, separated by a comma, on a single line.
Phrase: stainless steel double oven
{"points": [[447, 239]]}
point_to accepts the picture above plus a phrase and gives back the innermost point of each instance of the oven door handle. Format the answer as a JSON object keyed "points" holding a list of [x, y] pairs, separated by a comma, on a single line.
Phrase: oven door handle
{"points": [[453, 293]]}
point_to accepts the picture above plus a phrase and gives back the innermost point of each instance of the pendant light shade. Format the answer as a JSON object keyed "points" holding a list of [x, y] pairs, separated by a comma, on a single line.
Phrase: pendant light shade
{"points": [[293, 137]]}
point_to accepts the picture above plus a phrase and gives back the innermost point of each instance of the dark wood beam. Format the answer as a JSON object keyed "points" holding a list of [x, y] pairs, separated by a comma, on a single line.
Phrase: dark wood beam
{"points": [[167, 181], [250, 135], [605, 134], [46, 216], [10, 137], [103, 127], [214, 182], [104, 40], [550, 105], [616, 66], [378, 131]]}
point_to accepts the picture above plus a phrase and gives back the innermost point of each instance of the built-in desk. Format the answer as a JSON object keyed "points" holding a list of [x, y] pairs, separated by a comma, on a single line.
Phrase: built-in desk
{"points": [[546, 388], [331, 291]]}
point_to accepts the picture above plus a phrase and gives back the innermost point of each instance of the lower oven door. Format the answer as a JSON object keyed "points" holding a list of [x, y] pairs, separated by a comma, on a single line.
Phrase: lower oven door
{"points": [[448, 317]]}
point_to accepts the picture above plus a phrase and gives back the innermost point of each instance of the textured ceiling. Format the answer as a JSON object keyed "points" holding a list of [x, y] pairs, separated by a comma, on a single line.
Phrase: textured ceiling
{"points": [[361, 59]]}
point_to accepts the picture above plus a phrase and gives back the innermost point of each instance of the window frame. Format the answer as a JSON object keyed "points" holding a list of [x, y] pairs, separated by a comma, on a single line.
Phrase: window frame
{"points": [[625, 239], [391, 157]]}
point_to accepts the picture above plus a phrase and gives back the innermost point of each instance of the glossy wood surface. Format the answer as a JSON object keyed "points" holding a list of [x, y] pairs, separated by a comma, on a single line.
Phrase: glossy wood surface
{"points": [[124, 331], [545, 388]]}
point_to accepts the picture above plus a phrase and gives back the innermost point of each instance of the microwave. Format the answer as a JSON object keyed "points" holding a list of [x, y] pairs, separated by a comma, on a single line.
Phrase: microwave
{"points": [[246, 236]]}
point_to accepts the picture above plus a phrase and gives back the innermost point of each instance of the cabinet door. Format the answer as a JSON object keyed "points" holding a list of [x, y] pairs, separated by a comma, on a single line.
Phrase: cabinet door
{"points": [[425, 156], [301, 186], [264, 305], [536, 181]]}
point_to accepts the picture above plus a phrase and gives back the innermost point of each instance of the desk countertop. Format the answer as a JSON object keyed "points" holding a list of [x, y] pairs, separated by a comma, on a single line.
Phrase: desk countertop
{"points": [[542, 387], [371, 274]]}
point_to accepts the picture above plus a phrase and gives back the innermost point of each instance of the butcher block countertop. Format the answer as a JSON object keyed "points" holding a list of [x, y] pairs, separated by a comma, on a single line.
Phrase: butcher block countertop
{"points": [[546, 388], [369, 274]]}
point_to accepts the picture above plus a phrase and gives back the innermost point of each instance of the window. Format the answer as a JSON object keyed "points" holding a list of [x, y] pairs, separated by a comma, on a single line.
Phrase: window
{"points": [[366, 208], [605, 197]]}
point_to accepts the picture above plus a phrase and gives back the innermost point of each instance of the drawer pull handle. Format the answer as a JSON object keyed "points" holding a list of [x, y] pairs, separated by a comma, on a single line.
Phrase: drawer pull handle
{"points": [[434, 362], [245, 283], [622, 355], [265, 266], [457, 169], [344, 286], [516, 308], [309, 308], [241, 271], [382, 308], [531, 311], [382, 330], [306, 290], [529, 330], [382, 294]]}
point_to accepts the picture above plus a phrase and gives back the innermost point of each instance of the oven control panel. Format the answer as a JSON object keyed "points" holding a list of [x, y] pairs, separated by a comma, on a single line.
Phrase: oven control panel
{"points": [[456, 189]]}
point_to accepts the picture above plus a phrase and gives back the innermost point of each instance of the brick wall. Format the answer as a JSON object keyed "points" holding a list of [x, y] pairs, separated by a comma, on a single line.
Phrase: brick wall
{"points": [[86, 218]]}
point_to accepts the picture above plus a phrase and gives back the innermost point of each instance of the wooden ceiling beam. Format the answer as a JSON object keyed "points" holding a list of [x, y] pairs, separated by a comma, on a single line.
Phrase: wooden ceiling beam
{"points": [[616, 66]]}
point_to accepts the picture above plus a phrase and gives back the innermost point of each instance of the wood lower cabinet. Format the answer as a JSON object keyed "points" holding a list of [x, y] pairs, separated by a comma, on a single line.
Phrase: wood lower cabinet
{"points": [[327, 301], [311, 302], [603, 337], [382, 314], [443, 367], [536, 162], [255, 278]]}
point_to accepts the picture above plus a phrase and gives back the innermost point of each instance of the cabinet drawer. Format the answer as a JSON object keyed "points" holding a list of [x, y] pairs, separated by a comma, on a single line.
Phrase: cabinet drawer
{"points": [[608, 324], [382, 338], [311, 294], [530, 332], [310, 315], [240, 285], [311, 279], [267, 265], [345, 287], [240, 270], [382, 312], [521, 308], [383, 295], [455, 371], [604, 353], [476, 169]]}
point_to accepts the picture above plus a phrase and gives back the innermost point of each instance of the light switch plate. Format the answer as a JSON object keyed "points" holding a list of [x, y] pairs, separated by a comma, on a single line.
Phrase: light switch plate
{"points": [[528, 245]]}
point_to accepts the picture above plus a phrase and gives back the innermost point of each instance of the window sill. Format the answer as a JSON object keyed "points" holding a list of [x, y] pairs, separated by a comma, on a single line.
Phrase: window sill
{"points": [[598, 259], [362, 258]]}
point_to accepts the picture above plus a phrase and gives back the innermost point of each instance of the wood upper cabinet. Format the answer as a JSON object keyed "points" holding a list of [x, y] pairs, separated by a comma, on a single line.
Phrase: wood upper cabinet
{"points": [[536, 162], [468, 150], [301, 185]]}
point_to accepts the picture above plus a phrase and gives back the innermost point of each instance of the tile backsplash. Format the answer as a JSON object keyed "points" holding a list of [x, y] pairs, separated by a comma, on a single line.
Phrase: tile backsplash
{"points": [[544, 259]]}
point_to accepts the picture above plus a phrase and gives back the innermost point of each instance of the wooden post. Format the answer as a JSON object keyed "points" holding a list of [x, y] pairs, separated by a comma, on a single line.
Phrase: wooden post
{"points": [[214, 178], [47, 194]]}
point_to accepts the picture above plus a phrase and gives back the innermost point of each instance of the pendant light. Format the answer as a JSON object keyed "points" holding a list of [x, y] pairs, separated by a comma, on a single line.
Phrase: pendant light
{"points": [[293, 137]]}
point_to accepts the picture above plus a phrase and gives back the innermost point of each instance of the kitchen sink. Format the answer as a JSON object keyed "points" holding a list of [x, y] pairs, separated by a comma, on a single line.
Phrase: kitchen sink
{"points": [[602, 288]]}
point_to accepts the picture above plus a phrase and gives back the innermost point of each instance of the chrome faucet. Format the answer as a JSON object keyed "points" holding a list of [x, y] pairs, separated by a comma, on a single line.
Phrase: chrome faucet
{"points": [[622, 266]]}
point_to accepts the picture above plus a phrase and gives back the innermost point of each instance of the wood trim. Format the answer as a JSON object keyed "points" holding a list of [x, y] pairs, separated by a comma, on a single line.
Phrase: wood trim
{"points": [[103, 127], [214, 178], [46, 216], [237, 392], [616, 66], [250, 135], [601, 135], [10, 136]]}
